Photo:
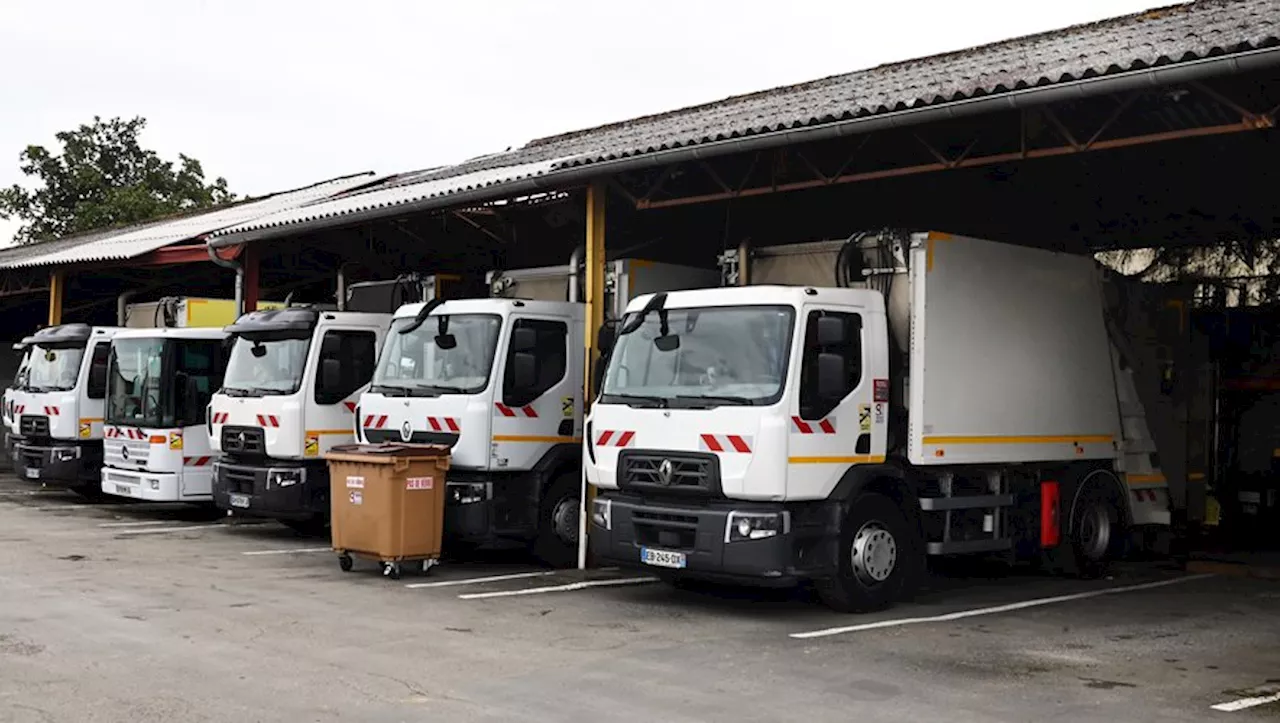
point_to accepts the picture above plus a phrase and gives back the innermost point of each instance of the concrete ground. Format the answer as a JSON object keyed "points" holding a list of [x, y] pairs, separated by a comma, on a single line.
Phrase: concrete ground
{"points": [[145, 613]]}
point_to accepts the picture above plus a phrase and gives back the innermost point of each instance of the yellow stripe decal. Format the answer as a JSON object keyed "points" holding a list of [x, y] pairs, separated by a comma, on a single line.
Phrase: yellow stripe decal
{"points": [[1146, 479], [858, 459], [330, 431], [535, 438], [90, 420], [1056, 439]]}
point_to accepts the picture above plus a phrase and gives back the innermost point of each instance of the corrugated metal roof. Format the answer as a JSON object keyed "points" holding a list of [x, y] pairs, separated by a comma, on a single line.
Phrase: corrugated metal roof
{"points": [[132, 241], [1166, 36]]}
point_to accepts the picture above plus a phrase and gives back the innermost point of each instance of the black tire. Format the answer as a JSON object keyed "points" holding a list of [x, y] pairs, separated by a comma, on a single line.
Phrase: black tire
{"points": [[557, 541], [888, 553], [345, 562], [316, 526], [90, 492], [1096, 535]]}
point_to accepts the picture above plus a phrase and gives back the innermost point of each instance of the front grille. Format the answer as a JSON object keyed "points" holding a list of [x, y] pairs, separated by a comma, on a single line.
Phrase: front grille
{"points": [[117, 452], [33, 425], [236, 479], [378, 436], [123, 479], [665, 529], [678, 472], [243, 441]]}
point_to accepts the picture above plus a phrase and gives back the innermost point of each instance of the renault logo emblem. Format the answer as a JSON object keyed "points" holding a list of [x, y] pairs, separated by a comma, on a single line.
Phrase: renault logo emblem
{"points": [[664, 472], [406, 431]]}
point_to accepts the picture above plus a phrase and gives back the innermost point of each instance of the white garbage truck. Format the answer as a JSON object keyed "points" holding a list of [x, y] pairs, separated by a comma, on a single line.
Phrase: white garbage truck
{"points": [[862, 405], [293, 380], [156, 444], [499, 380], [10, 420], [56, 405]]}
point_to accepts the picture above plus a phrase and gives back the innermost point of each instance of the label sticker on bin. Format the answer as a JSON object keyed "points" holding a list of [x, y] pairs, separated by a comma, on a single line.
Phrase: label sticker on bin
{"points": [[419, 483], [357, 497], [356, 483]]}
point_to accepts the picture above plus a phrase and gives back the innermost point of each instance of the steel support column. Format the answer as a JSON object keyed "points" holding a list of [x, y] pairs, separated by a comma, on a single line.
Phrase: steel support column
{"points": [[594, 295], [57, 287]]}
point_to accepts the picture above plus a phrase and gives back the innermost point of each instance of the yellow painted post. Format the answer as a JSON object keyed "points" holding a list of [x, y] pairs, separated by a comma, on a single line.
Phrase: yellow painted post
{"points": [[594, 319], [57, 282]]}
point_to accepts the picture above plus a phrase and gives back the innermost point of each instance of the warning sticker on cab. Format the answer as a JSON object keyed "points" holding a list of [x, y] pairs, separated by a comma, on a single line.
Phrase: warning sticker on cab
{"points": [[356, 498], [864, 417], [419, 483], [175, 440], [312, 446], [880, 390], [355, 483], [86, 430], [566, 406]]}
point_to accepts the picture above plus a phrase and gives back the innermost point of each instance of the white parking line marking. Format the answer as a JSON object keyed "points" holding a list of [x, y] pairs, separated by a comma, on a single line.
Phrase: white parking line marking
{"points": [[993, 610], [477, 580], [559, 588], [162, 530], [1244, 703], [141, 523], [291, 551]]}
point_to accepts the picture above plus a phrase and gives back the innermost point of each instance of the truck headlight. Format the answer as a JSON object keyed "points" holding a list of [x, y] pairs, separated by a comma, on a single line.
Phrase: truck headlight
{"points": [[154, 484], [756, 525], [469, 493], [285, 477], [65, 454], [602, 513]]}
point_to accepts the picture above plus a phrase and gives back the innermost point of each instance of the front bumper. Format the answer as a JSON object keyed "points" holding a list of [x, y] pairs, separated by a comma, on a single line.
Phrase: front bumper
{"points": [[58, 463], [697, 529], [149, 486], [270, 491], [481, 508]]}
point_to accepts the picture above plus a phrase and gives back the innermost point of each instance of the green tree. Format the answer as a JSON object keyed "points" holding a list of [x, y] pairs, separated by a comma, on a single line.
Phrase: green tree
{"points": [[102, 178]]}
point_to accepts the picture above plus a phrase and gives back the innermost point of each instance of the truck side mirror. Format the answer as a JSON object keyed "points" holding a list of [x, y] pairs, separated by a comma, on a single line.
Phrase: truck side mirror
{"points": [[606, 337], [330, 376], [832, 331], [832, 382], [524, 340], [524, 372], [98, 375]]}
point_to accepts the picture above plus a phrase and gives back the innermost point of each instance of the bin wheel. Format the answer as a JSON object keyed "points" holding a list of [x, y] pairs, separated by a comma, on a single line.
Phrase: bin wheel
{"points": [[391, 570], [344, 562]]}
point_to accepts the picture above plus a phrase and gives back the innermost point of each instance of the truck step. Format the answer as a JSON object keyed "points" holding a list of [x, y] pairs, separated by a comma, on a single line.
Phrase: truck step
{"points": [[965, 502], [962, 547]]}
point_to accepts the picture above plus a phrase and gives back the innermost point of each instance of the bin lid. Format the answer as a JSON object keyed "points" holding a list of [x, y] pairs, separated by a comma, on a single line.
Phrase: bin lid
{"points": [[385, 453]]}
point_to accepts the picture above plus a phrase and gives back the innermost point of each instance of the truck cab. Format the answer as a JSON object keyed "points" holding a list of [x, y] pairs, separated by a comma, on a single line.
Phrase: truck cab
{"points": [[7, 415], [156, 444], [293, 380], [56, 407], [500, 382]]}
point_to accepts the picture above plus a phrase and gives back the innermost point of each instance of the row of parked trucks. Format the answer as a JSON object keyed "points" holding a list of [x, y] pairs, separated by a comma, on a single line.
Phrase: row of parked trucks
{"points": [[831, 413]]}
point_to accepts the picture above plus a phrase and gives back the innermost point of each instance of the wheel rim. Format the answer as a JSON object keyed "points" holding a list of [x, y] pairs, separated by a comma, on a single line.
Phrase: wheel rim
{"points": [[564, 520], [1094, 534], [874, 553]]}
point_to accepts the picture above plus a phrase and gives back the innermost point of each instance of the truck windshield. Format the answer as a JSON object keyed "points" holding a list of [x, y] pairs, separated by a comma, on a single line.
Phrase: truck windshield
{"points": [[260, 368], [135, 389], [724, 356], [50, 370], [415, 363]]}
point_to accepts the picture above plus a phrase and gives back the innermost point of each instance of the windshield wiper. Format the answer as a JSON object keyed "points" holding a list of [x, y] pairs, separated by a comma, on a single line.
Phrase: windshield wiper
{"points": [[252, 391], [446, 389], [636, 400], [394, 390], [714, 399]]}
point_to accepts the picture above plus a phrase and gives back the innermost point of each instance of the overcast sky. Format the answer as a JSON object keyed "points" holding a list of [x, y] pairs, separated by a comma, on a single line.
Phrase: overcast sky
{"points": [[281, 93]]}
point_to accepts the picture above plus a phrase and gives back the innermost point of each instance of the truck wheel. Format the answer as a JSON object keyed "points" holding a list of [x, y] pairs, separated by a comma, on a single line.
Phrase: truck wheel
{"points": [[558, 514], [1096, 535], [878, 557]]}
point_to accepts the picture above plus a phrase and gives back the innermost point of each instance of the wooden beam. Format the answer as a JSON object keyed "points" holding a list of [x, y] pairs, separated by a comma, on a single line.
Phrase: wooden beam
{"points": [[57, 289]]}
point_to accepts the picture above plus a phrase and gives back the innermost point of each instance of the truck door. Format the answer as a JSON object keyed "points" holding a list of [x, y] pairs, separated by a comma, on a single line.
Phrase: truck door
{"points": [[535, 402], [198, 368], [344, 365], [94, 394], [839, 415]]}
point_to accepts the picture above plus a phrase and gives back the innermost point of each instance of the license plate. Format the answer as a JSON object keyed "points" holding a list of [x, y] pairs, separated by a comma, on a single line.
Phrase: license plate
{"points": [[122, 490], [241, 501], [662, 558], [33, 474]]}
